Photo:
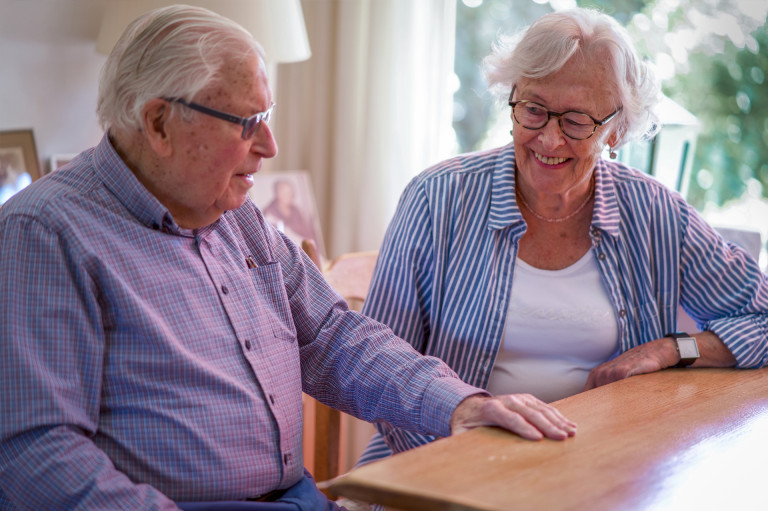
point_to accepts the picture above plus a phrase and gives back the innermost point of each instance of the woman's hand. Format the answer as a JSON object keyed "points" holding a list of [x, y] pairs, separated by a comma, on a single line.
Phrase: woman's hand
{"points": [[522, 414], [647, 358], [657, 355]]}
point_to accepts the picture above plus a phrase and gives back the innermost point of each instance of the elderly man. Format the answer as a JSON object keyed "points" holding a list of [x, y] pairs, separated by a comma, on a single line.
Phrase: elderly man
{"points": [[156, 332]]}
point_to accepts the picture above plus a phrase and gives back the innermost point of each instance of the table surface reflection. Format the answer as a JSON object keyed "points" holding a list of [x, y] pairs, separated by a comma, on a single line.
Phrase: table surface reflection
{"points": [[677, 439]]}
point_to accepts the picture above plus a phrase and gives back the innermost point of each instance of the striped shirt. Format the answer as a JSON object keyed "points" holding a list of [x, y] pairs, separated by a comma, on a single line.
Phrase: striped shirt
{"points": [[142, 363], [444, 273]]}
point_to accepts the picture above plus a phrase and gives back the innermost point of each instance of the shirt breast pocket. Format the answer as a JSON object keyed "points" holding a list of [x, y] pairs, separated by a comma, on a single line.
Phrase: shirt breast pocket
{"points": [[270, 301]]}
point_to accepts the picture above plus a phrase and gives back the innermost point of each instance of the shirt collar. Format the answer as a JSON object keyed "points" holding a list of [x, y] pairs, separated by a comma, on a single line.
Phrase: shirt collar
{"points": [[606, 210], [504, 214], [504, 211], [124, 185]]}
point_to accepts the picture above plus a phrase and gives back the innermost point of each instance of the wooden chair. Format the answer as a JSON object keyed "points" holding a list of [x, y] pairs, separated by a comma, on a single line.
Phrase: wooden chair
{"points": [[350, 275]]}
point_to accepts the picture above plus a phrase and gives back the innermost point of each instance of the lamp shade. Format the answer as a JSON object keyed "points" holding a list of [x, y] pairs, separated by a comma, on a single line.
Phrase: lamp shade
{"points": [[278, 25]]}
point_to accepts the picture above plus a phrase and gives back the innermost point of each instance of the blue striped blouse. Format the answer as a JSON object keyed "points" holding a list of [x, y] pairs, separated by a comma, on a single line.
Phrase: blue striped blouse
{"points": [[444, 274]]}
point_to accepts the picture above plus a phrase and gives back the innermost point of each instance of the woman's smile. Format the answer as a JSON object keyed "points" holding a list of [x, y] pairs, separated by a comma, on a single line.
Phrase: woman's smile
{"points": [[549, 160]]}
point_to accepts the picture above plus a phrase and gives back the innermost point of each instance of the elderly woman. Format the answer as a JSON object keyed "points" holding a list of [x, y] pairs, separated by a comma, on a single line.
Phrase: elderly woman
{"points": [[539, 267]]}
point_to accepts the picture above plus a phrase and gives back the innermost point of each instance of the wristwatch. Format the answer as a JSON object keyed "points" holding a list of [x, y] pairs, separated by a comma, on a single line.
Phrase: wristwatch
{"points": [[686, 347]]}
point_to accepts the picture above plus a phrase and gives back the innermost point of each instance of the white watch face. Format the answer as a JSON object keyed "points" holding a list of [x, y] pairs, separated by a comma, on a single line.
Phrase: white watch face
{"points": [[687, 347]]}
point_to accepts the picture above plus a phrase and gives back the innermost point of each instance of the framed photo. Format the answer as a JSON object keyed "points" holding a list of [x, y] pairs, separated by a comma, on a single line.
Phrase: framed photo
{"points": [[19, 165], [287, 201]]}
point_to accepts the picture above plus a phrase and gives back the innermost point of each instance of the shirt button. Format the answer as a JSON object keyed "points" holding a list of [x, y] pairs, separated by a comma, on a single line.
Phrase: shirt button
{"points": [[272, 398], [286, 458], [224, 289], [248, 345], [601, 256], [622, 313]]}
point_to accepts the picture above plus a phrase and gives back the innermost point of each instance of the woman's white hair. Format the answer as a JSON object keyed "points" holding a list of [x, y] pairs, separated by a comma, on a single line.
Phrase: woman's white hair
{"points": [[172, 51], [551, 41]]}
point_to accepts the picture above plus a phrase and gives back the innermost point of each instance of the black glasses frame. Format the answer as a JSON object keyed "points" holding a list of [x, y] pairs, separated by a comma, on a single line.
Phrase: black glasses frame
{"points": [[250, 124], [559, 116]]}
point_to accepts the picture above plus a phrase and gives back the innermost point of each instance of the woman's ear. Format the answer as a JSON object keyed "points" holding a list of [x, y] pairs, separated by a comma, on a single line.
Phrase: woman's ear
{"points": [[155, 116]]}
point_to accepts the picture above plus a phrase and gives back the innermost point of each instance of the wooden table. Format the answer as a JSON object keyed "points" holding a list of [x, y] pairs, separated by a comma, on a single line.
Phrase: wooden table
{"points": [[678, 439]]}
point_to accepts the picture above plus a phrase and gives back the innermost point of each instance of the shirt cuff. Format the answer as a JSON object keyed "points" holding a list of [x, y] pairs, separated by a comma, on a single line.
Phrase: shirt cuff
{"points": [[441, 399]]}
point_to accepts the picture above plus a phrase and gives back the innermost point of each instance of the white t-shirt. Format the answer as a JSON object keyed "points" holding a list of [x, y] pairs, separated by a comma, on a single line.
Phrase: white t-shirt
{"points": [[559, 326]]}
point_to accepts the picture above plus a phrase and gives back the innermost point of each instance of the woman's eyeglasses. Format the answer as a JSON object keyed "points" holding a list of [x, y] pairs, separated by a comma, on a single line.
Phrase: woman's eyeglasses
{"points": [[575, 125]]}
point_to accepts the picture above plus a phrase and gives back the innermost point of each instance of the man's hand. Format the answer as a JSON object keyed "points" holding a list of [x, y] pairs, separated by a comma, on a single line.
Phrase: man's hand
{"points": [[522, 414]]}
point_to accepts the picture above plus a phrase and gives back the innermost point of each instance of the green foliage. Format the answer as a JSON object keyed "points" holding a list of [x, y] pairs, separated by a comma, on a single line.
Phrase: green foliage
{"points": [[621, 10], [728, 92]]}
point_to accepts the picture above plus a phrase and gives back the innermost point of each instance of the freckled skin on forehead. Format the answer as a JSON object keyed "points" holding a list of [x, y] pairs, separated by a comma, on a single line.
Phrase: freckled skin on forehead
{"points": [[242, 90]]}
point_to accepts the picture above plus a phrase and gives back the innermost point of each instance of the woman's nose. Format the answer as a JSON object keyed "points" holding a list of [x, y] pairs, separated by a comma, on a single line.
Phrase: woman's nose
{"points": [[551, 135]]}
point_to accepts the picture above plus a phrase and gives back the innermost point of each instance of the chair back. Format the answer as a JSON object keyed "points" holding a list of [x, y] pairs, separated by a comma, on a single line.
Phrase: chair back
{"points": [[350, 275]]}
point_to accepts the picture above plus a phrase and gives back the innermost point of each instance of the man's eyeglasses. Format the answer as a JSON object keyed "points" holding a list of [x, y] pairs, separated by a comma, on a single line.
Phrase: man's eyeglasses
{"points": [[250, 124], [575, 125]]}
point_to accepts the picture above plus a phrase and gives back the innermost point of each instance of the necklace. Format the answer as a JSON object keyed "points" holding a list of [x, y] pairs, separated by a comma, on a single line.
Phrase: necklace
{"points": [[563, 218]]}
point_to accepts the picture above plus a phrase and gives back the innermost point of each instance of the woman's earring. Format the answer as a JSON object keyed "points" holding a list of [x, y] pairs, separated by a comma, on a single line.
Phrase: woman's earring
{"points": [[510, 132], [612, 154]]}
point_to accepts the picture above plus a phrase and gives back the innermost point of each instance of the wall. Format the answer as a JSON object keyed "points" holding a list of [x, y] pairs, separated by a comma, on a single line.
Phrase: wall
{"points": [[50, 72]]}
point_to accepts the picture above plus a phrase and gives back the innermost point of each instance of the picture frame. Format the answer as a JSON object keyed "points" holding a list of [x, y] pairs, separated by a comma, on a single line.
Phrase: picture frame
{"points": [[287, 201], [19, 163]]}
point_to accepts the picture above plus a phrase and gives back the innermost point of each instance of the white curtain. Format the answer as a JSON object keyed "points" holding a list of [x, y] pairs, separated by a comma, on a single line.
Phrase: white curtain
{"points": [[368, 111]]}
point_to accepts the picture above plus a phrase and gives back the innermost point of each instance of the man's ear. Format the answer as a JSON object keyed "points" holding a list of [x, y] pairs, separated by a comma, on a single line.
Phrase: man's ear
{"points": [[154, 122]]}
